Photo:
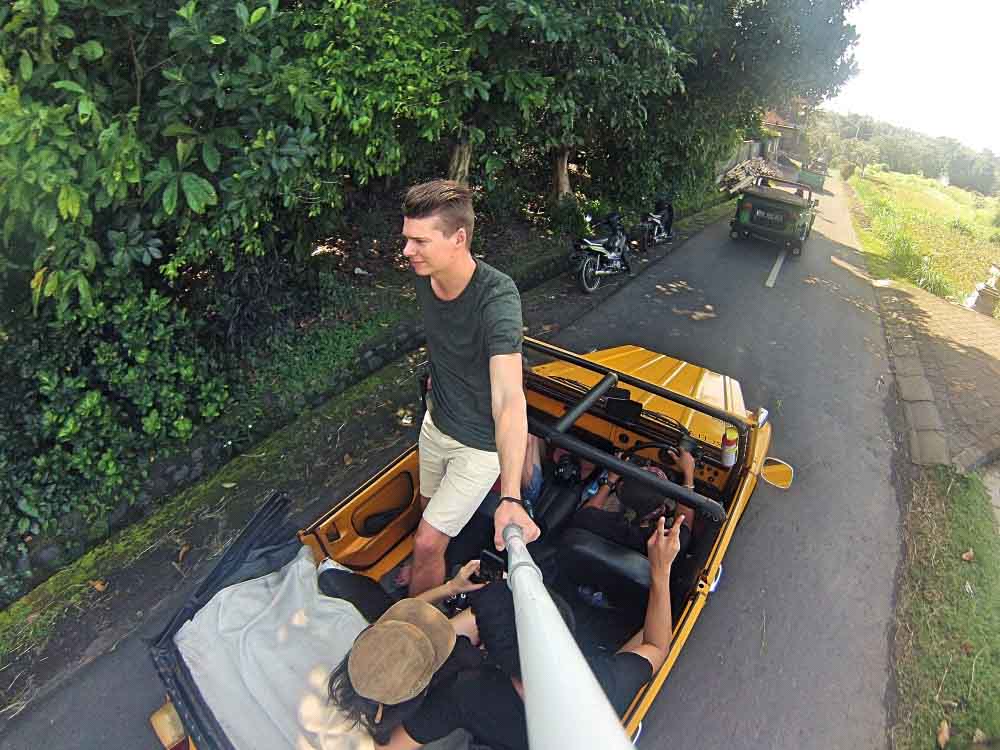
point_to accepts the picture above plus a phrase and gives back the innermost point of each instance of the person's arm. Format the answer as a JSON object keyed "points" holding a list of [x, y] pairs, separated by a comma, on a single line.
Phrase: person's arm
{"points": [[600, 498], [683, 462], [510, 417], [653, 641], [460, 584]]}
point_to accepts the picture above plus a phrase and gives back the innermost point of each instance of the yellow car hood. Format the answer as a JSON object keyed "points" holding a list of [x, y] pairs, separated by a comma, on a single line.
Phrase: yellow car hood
{"points": [[683, 378]]}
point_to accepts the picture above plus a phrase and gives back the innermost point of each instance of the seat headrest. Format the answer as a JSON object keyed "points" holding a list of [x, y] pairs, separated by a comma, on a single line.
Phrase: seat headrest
{"points": [[589, 558]]}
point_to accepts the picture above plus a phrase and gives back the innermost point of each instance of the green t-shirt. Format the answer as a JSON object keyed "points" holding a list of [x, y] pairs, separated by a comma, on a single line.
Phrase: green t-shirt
{"points": [[462, 335]]}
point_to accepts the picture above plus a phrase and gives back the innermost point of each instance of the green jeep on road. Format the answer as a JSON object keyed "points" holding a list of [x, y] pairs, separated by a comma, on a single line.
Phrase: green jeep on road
{"points": [[776, 210]]}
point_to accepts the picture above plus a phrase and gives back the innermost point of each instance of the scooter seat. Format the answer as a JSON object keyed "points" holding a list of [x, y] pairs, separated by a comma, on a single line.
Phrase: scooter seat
{"points": [[595, 242]]}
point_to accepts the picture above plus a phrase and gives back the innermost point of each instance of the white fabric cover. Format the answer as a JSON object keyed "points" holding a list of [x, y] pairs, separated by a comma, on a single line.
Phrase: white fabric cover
{"points": [[261, 652]]}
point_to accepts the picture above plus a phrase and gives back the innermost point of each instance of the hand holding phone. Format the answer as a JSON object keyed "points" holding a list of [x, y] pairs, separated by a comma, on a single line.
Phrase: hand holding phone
{"points": [[492, 567]]}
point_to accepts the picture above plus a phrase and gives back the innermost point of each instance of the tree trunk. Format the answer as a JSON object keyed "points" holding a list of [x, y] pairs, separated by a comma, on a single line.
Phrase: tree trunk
{"points": [[461, 157], [560, 173]]}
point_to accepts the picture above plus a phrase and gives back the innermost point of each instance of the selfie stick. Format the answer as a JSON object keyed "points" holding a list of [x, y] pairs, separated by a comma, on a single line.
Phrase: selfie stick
{"points": [[565, 706]]}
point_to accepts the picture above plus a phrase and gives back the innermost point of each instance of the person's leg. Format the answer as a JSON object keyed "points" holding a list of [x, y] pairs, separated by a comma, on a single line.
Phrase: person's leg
{"points": [[432, 454], [469, 476], [429, 546]]}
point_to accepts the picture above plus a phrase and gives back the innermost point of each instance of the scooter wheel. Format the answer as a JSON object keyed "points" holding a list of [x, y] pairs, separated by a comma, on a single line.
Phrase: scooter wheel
{"points": [[587, 277], [734, 235]]}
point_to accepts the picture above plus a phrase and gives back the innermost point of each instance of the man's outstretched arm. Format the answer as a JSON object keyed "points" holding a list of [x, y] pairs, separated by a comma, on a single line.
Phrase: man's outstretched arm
{"points": [[510, 417]]}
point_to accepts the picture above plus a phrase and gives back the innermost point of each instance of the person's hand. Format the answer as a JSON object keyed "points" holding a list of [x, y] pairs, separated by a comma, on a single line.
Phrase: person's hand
{"points": [[462, 583], [683, 462], [663, 545], [509, 512]]}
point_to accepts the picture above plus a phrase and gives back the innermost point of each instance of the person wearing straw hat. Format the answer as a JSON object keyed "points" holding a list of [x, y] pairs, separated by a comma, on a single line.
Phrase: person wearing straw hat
{"points": [[391, 665]]}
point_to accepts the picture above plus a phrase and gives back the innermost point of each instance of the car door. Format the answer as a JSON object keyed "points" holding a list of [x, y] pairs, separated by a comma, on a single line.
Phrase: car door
{"points": [[370, 531]]}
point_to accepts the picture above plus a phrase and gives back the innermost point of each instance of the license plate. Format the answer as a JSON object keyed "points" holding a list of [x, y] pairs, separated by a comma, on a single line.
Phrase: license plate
{"points": [[771, 218]]}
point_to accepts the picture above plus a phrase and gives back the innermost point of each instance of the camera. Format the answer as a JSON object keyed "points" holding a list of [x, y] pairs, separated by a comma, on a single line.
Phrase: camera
{"points": [[567, 470]]}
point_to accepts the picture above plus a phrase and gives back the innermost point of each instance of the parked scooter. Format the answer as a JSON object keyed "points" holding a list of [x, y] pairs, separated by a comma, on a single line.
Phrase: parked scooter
{"points": [[603, 255], [658, 226]]}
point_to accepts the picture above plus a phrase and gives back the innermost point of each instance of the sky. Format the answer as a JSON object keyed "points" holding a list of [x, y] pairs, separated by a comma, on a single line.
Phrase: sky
{"points": [[930, 66]]}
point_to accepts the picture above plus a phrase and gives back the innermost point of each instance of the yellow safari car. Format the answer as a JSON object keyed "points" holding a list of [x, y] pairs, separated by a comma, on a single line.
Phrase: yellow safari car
{"points": [[618, 408]]}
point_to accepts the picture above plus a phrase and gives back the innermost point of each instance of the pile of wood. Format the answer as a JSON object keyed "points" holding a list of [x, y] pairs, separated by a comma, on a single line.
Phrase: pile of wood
{"points": [[745, 173]]}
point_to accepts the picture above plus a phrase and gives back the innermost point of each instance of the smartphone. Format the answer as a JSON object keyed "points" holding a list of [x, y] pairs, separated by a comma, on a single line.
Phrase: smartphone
{"points": [[491, 567]]}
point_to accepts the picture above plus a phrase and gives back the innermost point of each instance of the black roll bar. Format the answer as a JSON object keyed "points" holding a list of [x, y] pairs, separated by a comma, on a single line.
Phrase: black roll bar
{"points": [[677, 398], [567, 420], [578, 447]]}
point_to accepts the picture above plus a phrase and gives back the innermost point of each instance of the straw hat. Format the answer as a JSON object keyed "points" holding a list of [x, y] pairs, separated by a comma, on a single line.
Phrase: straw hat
{"points": [[394, 660]]}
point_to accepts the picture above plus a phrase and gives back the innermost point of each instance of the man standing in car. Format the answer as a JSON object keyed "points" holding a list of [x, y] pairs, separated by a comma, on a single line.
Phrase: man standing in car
{"points": [[476, 421]]}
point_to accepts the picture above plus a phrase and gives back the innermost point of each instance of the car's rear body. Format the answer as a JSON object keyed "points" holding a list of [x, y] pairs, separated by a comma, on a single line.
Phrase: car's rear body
{"points": [[782, 213]]}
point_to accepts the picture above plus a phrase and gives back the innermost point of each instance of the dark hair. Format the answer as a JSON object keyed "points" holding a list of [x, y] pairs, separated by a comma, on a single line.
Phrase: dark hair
{"points": [[449, 201], [493, 607], [361, 711], [356, 709]]}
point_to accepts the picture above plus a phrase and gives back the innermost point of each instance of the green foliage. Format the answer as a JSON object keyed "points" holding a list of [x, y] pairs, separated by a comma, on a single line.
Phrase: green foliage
{"points": [[939, 237], [962, 227], [910, 152], [847, 170], [96, 398]]}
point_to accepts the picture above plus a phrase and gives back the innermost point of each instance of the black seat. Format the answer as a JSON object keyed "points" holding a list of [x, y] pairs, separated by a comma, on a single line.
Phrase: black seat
{"points": [[590, 559], [556, 505]]}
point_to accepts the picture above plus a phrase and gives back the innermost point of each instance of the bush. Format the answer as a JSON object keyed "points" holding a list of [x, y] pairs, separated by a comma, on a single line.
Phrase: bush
{"points": [[847, 170], [95, 395], [961, 227], [995, 238], [996, 219]]}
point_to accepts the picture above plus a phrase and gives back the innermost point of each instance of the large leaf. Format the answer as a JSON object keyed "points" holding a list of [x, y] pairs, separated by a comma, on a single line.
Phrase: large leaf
{"points": [[210, 155], [83, 287], [178, 128], [25, 66], [170, 197], [198, 192], [72, 86], [242, 13], [92, 50], [51, 8], [69, 202], [257, 15]]}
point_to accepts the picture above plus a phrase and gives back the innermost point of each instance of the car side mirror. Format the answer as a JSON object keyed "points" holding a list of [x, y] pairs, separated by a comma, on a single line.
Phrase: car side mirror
{"points": [[777, 473]]}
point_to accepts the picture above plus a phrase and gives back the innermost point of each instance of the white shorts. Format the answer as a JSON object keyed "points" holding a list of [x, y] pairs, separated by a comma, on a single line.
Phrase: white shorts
{"points": [[454, 476]]}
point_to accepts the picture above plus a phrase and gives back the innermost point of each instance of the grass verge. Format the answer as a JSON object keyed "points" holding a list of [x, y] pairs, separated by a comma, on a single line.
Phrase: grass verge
{"points": [[947, 645], [938, 237]]}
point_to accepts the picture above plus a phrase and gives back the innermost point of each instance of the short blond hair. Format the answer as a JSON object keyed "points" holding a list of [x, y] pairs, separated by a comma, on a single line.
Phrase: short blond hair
{"points": [[449, 201]]}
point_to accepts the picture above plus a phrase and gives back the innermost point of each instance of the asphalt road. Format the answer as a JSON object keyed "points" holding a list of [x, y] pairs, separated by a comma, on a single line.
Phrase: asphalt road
{"points": [[792, 650]]}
